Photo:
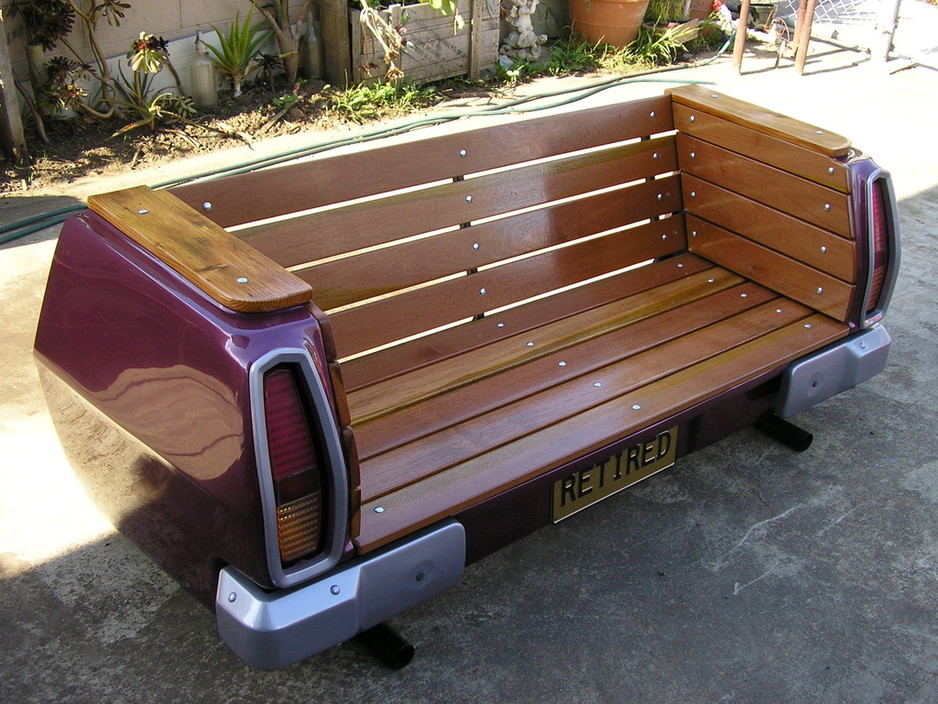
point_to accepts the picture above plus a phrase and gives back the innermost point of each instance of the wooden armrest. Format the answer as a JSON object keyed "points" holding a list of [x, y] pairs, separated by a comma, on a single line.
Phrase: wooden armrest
{"points": [[218, 263], [762, 120]]}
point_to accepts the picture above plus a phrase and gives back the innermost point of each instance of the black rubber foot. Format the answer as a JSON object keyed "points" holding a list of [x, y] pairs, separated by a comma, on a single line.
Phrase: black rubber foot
{"points": [[388, 646], [786, 433]]}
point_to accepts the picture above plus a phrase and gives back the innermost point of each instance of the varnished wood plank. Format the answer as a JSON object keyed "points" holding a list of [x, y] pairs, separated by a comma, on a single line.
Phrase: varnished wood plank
{"points": [[231, 272], [760, 119], [789, 277], [388, 363], [418, 158], [370, 223], [776, 188], [491, 392], [789, 157], [384, 321], [567, 333], [460, 443], [795, 238], [383, 271], [446, 493]]}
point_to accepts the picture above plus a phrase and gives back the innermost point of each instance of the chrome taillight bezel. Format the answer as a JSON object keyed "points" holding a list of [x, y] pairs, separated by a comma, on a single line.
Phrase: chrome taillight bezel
{"points": [[880, 178], [334, 473]]}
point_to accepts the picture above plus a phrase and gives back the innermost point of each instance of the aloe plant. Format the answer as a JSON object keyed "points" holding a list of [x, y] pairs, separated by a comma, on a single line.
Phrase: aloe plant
{"points": [[234, 57]]}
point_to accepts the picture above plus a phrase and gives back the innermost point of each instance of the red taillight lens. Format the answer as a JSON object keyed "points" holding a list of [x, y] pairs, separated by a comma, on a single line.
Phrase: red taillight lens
{"points": [[294, 466], [879, 245]]}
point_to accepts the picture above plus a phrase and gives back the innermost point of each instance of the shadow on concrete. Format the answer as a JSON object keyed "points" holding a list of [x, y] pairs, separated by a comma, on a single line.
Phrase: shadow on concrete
{"points": [[25, 215]]}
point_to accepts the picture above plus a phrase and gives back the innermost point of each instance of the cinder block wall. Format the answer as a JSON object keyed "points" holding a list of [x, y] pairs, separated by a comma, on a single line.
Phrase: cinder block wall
{"points": [[170, 19]]}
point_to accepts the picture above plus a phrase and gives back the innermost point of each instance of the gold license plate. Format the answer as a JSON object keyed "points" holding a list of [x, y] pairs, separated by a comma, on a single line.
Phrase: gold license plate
{"points": [[581, 489]]}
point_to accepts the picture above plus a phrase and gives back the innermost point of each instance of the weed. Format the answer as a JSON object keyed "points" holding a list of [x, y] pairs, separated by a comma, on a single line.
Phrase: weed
{"points": [[369, 102]]}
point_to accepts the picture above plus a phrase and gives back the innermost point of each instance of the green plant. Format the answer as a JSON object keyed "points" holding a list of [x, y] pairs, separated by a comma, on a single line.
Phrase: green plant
{"points": [[61, 89], [46, 21], [235, 57], [287, 40], [151, 110], [664, 10], [362, 103], [657, 46], [574, 55]]}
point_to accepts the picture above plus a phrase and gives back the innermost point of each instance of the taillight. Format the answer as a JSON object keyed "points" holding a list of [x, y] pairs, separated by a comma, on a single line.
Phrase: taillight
{"points": [[879, 247], [294, 466]]}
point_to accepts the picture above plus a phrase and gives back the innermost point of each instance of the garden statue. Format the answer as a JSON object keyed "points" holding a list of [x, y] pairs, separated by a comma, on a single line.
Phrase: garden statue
{"points": [[522, 43]]}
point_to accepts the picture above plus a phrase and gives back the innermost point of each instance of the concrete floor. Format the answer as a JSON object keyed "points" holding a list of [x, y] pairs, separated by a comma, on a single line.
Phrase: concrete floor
{"points": [[747, 573]]}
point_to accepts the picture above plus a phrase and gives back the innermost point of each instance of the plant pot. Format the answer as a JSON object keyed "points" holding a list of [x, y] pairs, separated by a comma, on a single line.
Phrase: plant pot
{"points": [[614, 22]]}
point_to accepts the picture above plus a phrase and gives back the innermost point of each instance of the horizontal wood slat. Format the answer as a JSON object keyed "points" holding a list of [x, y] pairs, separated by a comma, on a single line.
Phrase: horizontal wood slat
{"points": [[542, 372], [469, 368], [761, 119], [446, 493], [766, 184], [757, 145], [232, 273], [420, 459], [364, 371], [420, 158], [790, 236], [387, 320], [367, 224], [789, 277], [414, 262]]}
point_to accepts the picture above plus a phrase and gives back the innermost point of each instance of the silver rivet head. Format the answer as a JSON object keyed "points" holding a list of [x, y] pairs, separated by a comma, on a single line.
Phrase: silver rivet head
{"points": [[597, 384], [561, 364], [463, 152], [636, 407], [819, 132], [680, 266], [481, 291], [242, 279], [379, 509], [693, 194], [830, 170], [652, 114], [714, 96], [335, 589], [807, 325], [693, 155], [744, 295], [692, 118], [823, 250], [655, 155], [232, 598], [529, 344], [778, 310], [500, 325], [827, 207], [143, 211], [660, 196], [820, 290], [693, 233], [207, 205], [468, 199], [664, 237], [710, 281], [475, 245]]}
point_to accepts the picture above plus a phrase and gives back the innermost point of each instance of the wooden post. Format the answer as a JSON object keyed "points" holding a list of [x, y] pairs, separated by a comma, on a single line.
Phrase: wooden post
{"points": [[475, 38], [804, 37], [337, 55], [740, 44], [886, 25], [12, 138], [799, 20]]}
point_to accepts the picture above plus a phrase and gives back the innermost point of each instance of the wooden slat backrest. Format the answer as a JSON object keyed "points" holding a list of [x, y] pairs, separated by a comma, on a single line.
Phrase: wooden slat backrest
{"points": [[325, 180]]}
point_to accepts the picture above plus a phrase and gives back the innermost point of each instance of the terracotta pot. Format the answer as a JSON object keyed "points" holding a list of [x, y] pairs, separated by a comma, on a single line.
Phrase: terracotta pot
{"points": [[614, 22]]}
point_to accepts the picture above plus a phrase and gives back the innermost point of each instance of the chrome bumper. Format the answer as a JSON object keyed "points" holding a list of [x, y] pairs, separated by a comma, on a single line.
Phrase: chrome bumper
{"points": [[835, 368], [269, 630]]}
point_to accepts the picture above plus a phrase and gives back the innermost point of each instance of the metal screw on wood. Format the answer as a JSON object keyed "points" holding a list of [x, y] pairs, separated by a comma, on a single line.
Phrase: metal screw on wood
{"points": [[597, 384], [481, 291], [827, 207], [378, 509], [820, 290], [206, 205], [652, 115], [823, 250], [468, 199], [819, 132], [475, 245], [692, 118], [693, 194], [693, 155], [242, 280], [143, 211], [636, 407], [463, 152], [830, 170]]}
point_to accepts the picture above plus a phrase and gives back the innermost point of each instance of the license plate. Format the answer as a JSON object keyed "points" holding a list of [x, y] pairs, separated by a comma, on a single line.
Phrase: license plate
{"points": [[581, 489]]}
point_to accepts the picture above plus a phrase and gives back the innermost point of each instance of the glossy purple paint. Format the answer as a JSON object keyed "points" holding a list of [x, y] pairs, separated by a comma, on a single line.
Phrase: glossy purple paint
{"points": [[169, 367]]}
